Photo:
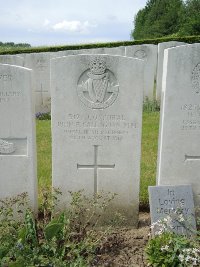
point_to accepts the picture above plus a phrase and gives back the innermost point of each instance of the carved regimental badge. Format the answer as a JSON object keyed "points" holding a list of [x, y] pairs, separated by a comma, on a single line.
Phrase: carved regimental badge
{"points": [[196, 78], [6, 147], [141, 54], [98, 87]]}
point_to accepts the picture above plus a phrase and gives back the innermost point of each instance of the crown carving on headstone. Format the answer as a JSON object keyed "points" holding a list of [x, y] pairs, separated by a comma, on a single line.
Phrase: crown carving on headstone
{"points": [[97, 65]]}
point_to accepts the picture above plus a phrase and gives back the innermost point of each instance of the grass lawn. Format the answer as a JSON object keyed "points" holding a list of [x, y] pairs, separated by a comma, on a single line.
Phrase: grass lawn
{"points": [[149, 153]]}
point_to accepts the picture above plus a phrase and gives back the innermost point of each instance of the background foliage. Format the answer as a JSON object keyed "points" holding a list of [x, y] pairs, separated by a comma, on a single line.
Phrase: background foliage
{"points": [[167, 18]]}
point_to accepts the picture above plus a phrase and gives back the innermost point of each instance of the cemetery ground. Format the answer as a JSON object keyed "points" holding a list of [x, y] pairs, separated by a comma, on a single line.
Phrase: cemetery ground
{"points": [[123, 247]]}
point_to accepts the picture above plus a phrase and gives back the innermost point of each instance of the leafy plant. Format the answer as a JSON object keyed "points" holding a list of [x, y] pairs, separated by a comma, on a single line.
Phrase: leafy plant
{"points": [[43, 116], [53, 239], [151, 105], [168, 249]]}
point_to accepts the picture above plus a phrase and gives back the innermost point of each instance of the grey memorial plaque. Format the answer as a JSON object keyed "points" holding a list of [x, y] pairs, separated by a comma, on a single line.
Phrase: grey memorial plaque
{"points": [[175, 202]]}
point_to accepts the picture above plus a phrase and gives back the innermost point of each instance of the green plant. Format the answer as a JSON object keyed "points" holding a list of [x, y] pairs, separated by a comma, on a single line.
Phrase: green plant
{"points": [[53, 239], [151, 105], [43, 116], [187, 39], [169, 249]]}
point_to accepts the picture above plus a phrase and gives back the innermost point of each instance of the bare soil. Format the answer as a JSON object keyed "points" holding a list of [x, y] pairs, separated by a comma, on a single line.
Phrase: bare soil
{"points": [[125, 246]]}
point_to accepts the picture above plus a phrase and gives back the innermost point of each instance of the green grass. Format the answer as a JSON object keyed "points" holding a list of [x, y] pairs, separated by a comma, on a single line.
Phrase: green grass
{"points": [[148, 161], [44, 153], [149, 153]]}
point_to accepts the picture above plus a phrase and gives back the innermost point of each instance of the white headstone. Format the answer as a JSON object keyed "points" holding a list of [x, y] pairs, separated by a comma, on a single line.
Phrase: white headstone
{"points": [[12, 60], [161, 48], [40, 64], [120, 51], [96, 128], [17, 134], [179, 146], [148, 53]]}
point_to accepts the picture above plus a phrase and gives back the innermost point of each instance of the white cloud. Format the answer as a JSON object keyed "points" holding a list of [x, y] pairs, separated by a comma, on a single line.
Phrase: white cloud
{"points": [[73, 26], [46, 22]]}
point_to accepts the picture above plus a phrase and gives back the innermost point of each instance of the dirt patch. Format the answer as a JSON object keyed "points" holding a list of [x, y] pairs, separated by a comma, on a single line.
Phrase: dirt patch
{"points": [[125, 246]]}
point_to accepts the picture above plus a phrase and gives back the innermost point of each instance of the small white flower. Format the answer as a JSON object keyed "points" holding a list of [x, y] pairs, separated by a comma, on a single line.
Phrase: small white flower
{"points": [[165, 248], [181, 257]]}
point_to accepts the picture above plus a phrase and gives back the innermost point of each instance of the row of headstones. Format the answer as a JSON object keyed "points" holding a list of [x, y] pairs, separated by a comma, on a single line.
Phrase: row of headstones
{"points": [[96, 128], [40, 64]]}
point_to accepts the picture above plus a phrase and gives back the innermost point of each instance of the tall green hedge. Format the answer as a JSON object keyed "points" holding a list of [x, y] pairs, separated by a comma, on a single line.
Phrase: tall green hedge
{"points": [[187, 39]]}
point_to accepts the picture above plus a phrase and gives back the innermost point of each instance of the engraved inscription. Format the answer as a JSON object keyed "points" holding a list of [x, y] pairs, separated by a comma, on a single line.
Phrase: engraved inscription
{"points": [[196, 78], [6, 147], [5, 77], [141, 54], [95, 166], [6, 93], [41, 64], [98, 87], [96, 127], [191, 119]]}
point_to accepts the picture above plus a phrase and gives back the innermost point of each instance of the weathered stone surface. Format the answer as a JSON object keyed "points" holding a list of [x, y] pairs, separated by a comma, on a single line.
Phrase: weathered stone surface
{"points": [[17, 134], [96, 128], [40, 64], [161, 48], [174, 203], [12, 60], [179, 146], [120, 51], [148, 53]]}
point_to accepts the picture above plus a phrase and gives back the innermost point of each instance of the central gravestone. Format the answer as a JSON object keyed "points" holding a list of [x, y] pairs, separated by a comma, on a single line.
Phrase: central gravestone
{"points": [[96, 128]]}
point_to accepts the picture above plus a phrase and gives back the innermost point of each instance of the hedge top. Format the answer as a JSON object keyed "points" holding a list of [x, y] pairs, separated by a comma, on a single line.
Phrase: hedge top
{"points": [[187, 39]]}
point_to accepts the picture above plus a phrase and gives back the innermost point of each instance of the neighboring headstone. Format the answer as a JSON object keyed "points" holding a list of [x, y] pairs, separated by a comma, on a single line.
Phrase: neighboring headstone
{"points": [[40, 64], [174, 204], [179, 146], [96, 128], [12, 60], [120, 51], [17, 134], [148, 53], [161, 48]]}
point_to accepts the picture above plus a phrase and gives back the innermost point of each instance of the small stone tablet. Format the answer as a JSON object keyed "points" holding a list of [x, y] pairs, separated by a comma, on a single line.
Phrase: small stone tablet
{"points": [[175, 202]]}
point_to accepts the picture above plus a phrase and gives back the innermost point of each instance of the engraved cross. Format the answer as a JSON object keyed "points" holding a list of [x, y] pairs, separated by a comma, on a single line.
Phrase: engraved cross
{"points": [[41, 92], [189, 158], [95, 166]]}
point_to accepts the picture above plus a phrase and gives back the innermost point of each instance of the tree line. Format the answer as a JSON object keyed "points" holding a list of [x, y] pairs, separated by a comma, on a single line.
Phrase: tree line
{"points": [[12, 44], [161, 18]]}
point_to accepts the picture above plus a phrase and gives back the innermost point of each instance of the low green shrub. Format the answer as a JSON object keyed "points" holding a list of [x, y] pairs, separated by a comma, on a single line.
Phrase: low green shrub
{"points": [[169, 249], [186, 39], [53, 239], [151, 105], [43, 116]]}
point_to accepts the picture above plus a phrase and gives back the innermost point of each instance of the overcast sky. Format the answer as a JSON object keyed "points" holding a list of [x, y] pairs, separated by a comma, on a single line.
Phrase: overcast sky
{"points": [[57, 22]]}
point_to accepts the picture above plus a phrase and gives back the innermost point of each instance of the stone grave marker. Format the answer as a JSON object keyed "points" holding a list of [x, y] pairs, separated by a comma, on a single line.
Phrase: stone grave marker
{"points": [[179, 146], [12, 60], [40, 64], [96, 128], [148, 53], [120, 51], [17, 134], [174, 203], [161, 49]]}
